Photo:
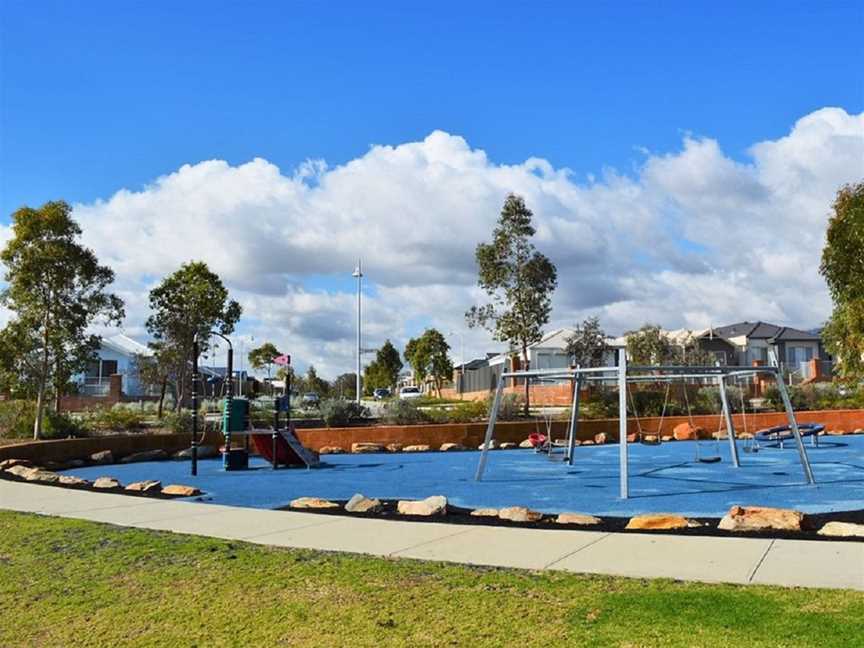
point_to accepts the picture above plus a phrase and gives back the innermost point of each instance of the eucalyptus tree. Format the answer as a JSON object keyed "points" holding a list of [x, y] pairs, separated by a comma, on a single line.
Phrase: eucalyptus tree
{"points": [[56, 290], [518, 280]]}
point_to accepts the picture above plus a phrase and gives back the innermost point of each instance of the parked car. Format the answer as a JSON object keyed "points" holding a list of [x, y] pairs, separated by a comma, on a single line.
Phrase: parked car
{"points": [[310, 399], [407, 393], [381, 393]]}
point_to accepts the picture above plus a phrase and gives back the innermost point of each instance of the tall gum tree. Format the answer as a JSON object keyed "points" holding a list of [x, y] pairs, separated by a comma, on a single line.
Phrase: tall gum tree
{"points": [[57, 291], [843, 269], [519, 281], [191, 300]]}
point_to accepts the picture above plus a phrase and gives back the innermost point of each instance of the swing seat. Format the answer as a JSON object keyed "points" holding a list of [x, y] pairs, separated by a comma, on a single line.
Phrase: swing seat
{"points": [[709, 459], [537, 439]]}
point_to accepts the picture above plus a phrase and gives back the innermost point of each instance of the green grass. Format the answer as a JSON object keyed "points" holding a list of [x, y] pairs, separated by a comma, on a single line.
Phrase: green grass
{"points": [[74, 583]]}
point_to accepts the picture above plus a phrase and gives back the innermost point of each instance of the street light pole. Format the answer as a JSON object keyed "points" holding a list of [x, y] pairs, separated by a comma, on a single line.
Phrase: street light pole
{"points": [[358, 273]]}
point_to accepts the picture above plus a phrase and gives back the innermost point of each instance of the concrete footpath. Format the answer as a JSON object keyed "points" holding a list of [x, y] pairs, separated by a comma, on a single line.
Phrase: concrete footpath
{"points": [[794, 563]]}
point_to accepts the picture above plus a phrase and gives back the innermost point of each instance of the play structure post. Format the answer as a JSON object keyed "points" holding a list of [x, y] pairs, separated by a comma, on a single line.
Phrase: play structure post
{"points": [[623, 457], [730, 428], [194, 447], [490, 428], [793, 425], [228, 407], [574, 417]]}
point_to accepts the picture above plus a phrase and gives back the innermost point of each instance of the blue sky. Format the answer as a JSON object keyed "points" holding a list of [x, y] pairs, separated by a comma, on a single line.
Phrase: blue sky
{"points": [[102, 95], [97, 97]]}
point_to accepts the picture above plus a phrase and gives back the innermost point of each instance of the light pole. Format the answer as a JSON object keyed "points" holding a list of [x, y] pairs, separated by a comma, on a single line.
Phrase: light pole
{"points": [[358, 273]]}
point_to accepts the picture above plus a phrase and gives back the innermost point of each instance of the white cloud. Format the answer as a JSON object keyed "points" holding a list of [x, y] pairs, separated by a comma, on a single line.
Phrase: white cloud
{"points": [[692, 238]]}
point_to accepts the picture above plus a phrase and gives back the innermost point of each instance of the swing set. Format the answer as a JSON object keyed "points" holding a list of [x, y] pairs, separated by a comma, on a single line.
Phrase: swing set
{"points": [[624, 375]]}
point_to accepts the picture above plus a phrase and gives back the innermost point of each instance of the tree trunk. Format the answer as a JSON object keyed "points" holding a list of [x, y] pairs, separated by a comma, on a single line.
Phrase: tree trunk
{"points": [[162, 388], [58, 391], [40, 394]]}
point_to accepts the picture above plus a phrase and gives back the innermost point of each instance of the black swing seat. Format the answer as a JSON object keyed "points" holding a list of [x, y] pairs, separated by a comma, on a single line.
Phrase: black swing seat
{"points": [[709, 459]]}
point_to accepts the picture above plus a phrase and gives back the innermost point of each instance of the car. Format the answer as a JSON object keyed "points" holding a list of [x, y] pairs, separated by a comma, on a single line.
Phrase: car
{"points": [[407, 393], [310, 399], [381, 393]]}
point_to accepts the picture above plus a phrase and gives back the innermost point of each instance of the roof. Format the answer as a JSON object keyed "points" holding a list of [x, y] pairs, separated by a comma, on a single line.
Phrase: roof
{"points": [[764, 331], [126, 345], [476, 363]]}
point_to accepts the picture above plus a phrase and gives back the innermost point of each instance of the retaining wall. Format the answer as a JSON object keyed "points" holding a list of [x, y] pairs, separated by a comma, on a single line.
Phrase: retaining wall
{"points": [[468, 434]]}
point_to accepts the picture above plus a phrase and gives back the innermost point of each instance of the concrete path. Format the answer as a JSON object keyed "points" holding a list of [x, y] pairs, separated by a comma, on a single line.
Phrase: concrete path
{"points": [[800, 563]]}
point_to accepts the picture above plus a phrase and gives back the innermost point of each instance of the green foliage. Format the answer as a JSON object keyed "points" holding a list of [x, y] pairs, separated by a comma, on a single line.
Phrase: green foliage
{"points": [[312, 382], [113, 419], [428, 357], [263, 356], [17, 417], [650, 345], [179, 422], [192, 300], [587, 344], [56, 290], [384, 370], [843, 269], [511, 408], [341, 413], [404, 412]]}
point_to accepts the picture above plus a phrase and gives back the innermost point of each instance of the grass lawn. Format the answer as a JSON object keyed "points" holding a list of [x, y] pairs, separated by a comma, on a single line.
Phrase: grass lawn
{"points": [[74, 583]]}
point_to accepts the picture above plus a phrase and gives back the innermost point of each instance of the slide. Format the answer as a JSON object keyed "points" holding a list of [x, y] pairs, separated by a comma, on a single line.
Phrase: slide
{"points": [[289, 450]]}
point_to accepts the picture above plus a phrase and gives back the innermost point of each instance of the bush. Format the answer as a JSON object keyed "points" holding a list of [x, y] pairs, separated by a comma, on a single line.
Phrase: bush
{"points": [[113, 419], [17, 418], [511, 408], [340, 413], [404, 412], [178, 422]]}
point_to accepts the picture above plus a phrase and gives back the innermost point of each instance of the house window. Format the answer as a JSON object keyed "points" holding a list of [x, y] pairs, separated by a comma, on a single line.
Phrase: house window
{"points": [[99, 370]]}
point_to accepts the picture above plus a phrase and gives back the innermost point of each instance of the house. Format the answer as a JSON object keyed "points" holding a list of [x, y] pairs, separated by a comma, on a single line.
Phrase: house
{"points": [[749, 342], [117, 355]]}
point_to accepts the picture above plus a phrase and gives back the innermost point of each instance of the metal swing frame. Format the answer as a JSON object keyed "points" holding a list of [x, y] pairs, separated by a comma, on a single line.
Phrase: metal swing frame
{"points": [[622, 374]]}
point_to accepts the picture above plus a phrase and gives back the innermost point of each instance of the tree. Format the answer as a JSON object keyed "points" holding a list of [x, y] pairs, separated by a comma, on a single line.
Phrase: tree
{"points": [[313, 383], [843, 268], [345, 383], [429, 357], [587, 344], [191, 300], [56, 290], [651, 345], [375, 376], [264, 356], [387, 366], [519, 281]]}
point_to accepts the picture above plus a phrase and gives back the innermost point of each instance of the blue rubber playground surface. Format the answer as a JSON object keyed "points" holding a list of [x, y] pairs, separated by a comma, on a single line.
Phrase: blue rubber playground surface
{"points": [[663, 478]]}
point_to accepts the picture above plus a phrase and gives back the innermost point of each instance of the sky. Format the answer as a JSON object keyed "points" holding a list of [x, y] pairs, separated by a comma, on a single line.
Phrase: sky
{"points": [[680, 158]]}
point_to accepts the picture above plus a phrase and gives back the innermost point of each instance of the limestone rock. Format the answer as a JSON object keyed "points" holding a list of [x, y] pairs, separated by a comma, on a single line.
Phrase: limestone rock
{"points": [[204, 452], [313, 503], [102, 457], [658, 521], [147, 455], [836, 432], [526, 444], [757, 518], [365, 448], [508, 445], [331, 450], [842, 530], [34, 474], [493, 445], [435, 505], [858, 431], [686, 432], [650, 438], [21, 470], [519, 514], [485, 512], [106, 483], [72, 480], [359, 503], [394, 447], [577, 518], [452, 447], [180, 490], [666, 438], [588, 442], [600, 438], [146, 486], [720, 436], [745, 436], [6, 464], [631, 438], [416, 448]]}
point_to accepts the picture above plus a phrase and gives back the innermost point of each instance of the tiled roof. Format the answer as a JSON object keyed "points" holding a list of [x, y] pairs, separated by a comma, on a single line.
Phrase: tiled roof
{"points": [[763, 331]]}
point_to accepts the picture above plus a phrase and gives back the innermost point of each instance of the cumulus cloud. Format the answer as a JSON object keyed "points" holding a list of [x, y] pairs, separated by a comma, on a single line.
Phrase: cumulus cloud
{"points": [[692, 237]]}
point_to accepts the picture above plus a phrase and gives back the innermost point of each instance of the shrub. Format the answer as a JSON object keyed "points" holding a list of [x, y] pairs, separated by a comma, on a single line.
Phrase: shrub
{"points": [[114, 419], [404, 412], [17, 418], [340, 413], [178, 422], [511, 407]]}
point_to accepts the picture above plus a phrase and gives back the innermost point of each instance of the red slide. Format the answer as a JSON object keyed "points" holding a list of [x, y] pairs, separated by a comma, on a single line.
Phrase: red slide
{"points": [[287, 454]]}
